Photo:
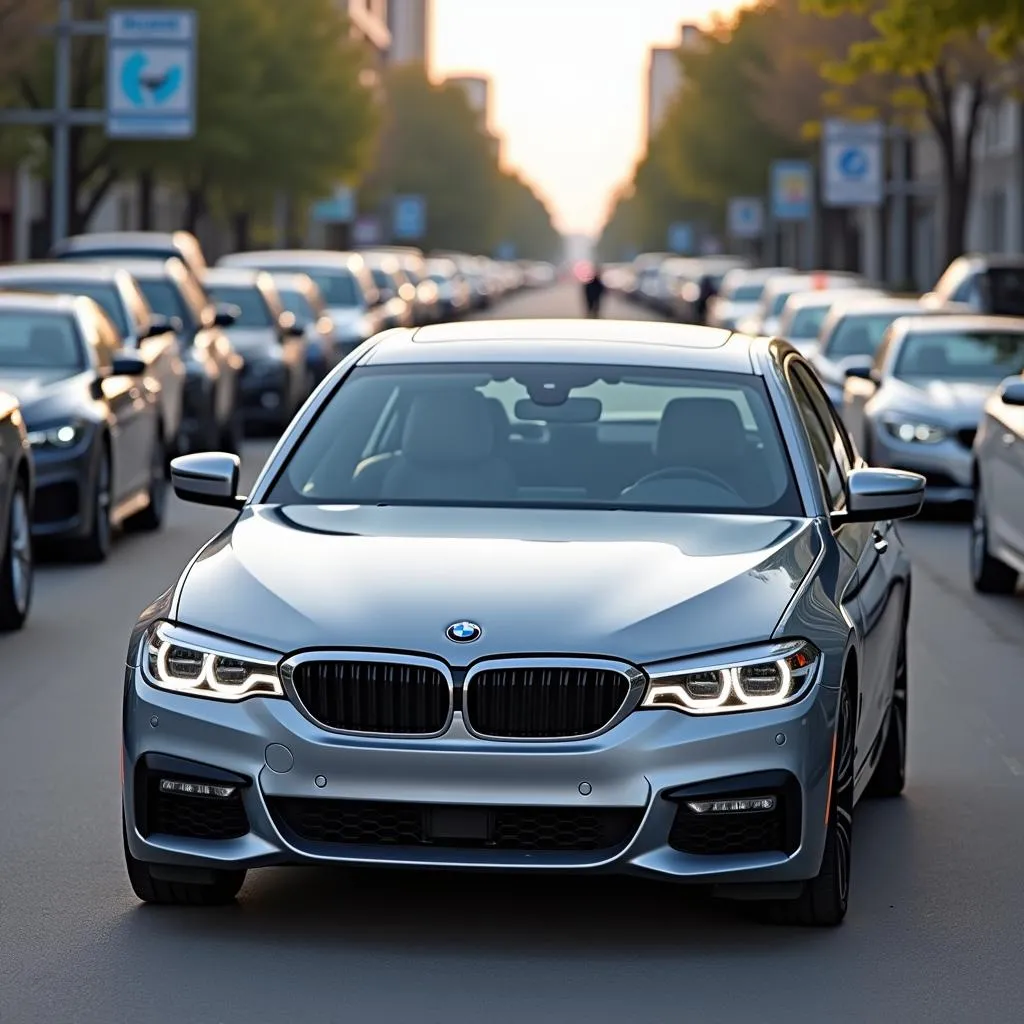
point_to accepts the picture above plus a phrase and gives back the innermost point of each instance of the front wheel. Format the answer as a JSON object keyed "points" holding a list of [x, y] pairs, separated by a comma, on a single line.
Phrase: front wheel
{"points": [[890, 775], [824, 899], [95, 545], [988, 574], [17, 566], [218, 888]]}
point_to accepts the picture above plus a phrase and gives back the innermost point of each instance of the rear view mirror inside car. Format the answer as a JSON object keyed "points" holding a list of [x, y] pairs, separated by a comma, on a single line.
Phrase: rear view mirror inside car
{"points": [[573, 410]]}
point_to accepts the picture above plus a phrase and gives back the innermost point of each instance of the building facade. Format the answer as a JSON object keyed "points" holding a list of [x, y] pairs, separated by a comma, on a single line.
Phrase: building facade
{"points": [[665, 69], [409, 22]]}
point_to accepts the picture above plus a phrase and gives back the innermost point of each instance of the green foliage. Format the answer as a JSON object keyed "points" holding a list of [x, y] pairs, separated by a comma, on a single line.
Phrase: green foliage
{"points": [[434, 146], [524, 221]]}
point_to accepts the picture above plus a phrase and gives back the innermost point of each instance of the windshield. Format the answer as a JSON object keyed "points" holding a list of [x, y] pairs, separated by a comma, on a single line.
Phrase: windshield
{"points": [[574, 436], [249, 299], [779, 302], [296, 303], [165, 300], [1006, 290], [39, 341], [859, 335], [383, 280], [338, 287], [806, 322], [745, 293], [961, 355], [105, 296]]}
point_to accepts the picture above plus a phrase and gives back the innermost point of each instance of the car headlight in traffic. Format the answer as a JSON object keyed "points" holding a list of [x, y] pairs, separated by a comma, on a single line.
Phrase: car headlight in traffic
{"points": [[181, 662], [60, 435], [910, 430], [767, 679]]}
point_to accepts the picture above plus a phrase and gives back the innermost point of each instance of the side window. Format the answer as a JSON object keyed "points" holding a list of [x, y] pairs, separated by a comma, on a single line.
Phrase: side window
{"points": [[967, 290], [108, 341], [138, 308], [840, 441], [821, 445]]}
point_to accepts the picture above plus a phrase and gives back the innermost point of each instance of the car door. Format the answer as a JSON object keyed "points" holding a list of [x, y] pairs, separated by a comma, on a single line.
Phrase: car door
{"points": [[132, 427], [293, 347], [867, 599], [1001, 462]]}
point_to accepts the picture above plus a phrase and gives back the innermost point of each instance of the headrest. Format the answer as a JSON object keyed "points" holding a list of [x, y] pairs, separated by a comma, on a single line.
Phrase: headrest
{"points": [[449, 427], [700, 432]]}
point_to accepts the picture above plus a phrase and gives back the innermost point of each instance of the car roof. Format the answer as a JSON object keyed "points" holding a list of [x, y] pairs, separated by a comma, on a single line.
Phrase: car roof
{"points": [[45, 303], [956, 322], [142, 239], [996, 260], [755, 275], [855, 302], [610, 342], [828, 297], [239, 277], [141, 267], [292, 257], [295, 280], [62, 270]]}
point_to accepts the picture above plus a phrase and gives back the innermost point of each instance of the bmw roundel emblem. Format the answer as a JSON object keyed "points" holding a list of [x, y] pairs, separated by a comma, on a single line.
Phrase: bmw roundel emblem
{"points": [[463, 632]]}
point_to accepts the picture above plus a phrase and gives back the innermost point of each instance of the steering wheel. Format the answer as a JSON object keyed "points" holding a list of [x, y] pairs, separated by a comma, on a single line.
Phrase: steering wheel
{"points": [[686, 473]]}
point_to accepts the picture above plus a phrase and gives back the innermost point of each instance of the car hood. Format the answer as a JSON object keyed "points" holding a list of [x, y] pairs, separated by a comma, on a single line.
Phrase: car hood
{"points": [[951, 400], [43, 394], [253, 341], [641, 586], [346, 319]]}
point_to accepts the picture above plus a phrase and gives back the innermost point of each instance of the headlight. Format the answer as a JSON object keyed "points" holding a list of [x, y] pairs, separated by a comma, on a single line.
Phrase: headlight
{"points": [[911, 430], [61, 435], [767, 680], [187, 664]]}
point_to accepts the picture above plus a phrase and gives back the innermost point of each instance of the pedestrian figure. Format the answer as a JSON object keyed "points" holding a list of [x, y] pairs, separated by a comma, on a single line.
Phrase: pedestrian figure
{"points": [[593, 291]]}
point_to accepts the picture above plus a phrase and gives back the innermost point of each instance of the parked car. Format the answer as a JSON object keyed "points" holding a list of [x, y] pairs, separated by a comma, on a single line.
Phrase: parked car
{"points": [[93, 420], [121, 245], [17, 492], [740, 293], [919, 405], [212, 407], [344, 281], [300, 296], [851, 335], [119, 296], [987, 284], [453, 294], [394, 289], [737, 677], [804, 313], [276, 378], [778, 290], [997, 527]]}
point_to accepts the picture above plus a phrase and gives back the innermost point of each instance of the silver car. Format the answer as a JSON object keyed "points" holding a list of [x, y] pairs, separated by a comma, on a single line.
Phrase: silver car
{"points": [[918, 406], [740, 294], [804, 314], [997, 531], [17, 493], [778, 289], [536, 596]]}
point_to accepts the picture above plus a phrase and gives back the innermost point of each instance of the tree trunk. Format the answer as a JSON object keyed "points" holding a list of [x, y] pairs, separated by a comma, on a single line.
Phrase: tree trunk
{"points": [[195, 207], [241, 224], [146, 200]]}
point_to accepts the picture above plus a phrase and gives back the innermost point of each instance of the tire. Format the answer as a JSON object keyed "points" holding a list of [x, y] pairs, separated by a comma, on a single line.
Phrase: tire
{"points": [[218, 893], [17, 565], [152, 517], [989, 575], [95, 545], [890, 775], [824, 900]]}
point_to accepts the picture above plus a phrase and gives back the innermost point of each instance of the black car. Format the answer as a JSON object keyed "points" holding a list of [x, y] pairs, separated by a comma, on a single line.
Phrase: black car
{"points": [[118, 295], [17, 482], [212, 416], [93, 419]]}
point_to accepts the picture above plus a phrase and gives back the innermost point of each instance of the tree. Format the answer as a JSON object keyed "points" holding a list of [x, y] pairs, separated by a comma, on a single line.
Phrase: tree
{"points": [[20, 21], [433, 146], [945, 72], [524, 221]]}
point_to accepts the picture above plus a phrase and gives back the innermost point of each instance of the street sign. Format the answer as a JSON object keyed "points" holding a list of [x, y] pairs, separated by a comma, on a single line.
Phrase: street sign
{"points": [[853, 161], [367, 231], [151, 74], [746, 217], [791, 190], [339, 209], [506, 252], [680, 238], [410, 217]]}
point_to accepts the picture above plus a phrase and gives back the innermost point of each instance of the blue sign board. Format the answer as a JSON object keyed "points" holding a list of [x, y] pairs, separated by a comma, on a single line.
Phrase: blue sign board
{"points": [[339, 209], [680, 238], [410, 217], [506, 251], [151, 72], [791, 190]]}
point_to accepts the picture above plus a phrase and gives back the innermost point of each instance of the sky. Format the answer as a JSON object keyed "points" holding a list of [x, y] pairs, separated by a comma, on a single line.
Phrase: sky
{"points": [[568, 86]]}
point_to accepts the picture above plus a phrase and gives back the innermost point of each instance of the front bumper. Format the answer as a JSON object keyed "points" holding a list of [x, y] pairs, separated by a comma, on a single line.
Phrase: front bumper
{"points": [[263, 392], [64, 481], [947, 465], [620, 778]]}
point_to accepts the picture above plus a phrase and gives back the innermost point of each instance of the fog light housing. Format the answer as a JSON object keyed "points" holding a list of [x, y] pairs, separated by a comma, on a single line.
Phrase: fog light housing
{"points": [[735, 805], [199, 789]]}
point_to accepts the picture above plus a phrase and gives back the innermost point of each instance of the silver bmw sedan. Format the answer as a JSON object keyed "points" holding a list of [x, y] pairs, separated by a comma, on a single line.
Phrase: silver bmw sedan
{"points": [[532, 596]]}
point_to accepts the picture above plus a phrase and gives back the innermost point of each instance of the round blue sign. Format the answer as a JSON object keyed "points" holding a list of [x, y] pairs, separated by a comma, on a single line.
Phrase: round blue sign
{"points": [[853, 163]]}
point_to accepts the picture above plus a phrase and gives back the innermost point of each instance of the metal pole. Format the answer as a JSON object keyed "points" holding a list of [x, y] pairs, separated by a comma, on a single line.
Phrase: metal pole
{"points": [[61, 124]]}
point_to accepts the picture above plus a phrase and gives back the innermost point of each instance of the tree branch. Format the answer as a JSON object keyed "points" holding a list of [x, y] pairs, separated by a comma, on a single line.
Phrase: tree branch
{"points": [[31, 98]]}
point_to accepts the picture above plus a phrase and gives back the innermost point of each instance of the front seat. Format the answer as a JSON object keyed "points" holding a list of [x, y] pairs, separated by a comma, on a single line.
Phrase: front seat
{"points": [[449, 452]]}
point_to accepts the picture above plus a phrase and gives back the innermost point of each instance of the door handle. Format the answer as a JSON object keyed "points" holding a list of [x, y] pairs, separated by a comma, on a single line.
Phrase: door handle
{"points": [[880, 542], [1008, 439]]}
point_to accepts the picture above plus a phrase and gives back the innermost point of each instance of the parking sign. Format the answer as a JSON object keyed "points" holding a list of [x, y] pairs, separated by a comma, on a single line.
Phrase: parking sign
{"points": [[680, 239], [853, 159], [410, 217], [791, 190], [746, 217]]}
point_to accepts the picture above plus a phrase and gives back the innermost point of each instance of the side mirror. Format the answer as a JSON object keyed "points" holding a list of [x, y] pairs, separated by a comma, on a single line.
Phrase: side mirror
{"points": [[878, 494], [226, 316], [860, 372], [127, 364], [1012, 392], [160, 325], [297, 329], [208, 478]]}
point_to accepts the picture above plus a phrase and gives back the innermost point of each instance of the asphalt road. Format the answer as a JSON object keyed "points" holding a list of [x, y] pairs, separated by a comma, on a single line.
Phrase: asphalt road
{"points": [[934, 931]]}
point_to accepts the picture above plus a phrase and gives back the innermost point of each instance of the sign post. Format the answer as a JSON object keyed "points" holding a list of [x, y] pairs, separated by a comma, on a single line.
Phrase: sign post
{"points": [[792, 202], [853, 162]]}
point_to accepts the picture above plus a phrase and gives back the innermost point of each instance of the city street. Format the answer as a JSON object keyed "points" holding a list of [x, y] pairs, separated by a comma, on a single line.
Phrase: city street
{"points": [[936, 911]]}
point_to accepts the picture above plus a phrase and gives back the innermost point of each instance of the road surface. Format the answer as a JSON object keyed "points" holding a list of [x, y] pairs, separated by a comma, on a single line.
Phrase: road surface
{"points": [[934, 932]]}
